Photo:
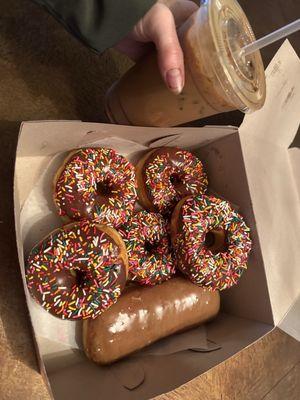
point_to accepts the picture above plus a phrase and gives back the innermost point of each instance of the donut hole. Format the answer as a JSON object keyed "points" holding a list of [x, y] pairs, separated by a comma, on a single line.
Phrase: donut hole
{"points": [[79, 276], [116, 268], [150, 247], [215, 241], [176, 179], [104, 188]]}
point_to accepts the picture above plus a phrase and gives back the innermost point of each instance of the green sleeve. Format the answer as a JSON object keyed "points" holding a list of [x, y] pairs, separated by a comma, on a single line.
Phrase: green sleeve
{"points": [[99, 24]]}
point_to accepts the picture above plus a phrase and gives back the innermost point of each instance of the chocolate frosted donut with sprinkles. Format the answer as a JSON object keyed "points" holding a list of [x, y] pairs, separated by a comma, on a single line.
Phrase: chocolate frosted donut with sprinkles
{"points": [[211, 241], [78, 271], [97, 184], [166, 175], [149, 249]]}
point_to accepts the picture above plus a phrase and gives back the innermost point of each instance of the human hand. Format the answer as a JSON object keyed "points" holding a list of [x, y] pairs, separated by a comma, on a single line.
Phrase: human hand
{"points": [[158, 26]]}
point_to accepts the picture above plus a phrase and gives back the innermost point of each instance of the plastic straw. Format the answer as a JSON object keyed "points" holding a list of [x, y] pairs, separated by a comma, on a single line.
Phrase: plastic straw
{"points": [[272, 37]]}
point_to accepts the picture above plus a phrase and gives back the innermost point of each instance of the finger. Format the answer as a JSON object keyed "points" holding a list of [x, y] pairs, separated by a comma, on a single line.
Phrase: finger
{"points": [[132, 48], [182, 10], [161, 29]]}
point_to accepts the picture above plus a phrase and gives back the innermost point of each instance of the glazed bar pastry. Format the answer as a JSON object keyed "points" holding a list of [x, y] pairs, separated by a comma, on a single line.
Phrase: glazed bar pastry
{"points": [[144, 315]]}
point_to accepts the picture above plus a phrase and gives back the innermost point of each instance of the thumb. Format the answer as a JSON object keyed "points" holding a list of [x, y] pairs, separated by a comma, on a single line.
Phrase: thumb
{"points": [[161, 29]]}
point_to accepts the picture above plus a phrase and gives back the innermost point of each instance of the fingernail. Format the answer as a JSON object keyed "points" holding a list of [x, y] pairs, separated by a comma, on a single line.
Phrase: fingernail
{"points": [[174, 80]]}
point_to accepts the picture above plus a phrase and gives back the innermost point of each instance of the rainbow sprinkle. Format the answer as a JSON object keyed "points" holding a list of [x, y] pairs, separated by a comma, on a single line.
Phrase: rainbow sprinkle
{"points": [[168, 163], [199, 215], [77, 193], [148, 267], [76, 250]]}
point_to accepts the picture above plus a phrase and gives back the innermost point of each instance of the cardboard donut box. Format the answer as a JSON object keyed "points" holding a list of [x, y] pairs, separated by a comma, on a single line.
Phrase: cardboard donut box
{"points": [[252, 166]]}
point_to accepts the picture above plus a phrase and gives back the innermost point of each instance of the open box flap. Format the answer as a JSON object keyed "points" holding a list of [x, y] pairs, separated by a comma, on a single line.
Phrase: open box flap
{"points": [[294, 153], [291, 322], [278, 120], [270, 170]]}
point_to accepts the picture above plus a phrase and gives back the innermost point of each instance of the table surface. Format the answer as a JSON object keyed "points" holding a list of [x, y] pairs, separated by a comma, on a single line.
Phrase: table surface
{"points": [[46, 74]]}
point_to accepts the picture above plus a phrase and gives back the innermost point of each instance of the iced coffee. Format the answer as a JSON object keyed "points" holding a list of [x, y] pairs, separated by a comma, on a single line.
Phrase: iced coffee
{"points": [[218, 77]]}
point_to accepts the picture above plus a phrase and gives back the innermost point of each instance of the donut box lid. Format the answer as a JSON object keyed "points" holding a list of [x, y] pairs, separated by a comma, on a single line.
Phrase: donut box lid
{"points": [[273, 173]]}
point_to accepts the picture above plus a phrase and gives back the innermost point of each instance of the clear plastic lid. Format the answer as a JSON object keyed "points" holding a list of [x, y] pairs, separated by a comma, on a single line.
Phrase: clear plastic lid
{"points": [[241, 76]]}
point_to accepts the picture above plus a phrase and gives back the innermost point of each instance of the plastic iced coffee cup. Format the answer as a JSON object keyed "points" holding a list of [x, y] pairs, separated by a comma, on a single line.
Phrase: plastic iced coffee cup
{"points": [[218, 78]]}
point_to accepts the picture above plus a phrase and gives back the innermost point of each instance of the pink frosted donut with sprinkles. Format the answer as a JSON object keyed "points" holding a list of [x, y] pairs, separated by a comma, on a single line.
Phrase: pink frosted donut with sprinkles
{"points": [[149, 249], [97, 184], [166, 175], [78, 271], [211, 241]]}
